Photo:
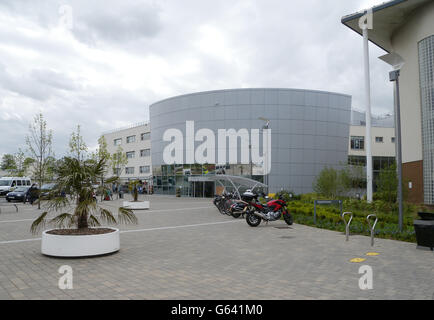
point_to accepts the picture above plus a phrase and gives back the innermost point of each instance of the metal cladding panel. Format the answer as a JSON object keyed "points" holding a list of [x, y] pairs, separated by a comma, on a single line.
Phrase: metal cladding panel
{"points": [[310, 129]]}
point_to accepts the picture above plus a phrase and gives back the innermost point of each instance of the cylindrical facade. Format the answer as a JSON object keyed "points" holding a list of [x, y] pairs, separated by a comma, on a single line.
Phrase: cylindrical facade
{"points": [[309, 130]]}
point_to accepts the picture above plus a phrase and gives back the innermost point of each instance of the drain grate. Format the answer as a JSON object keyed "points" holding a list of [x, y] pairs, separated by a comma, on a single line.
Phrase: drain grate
{"points": [[283, 227], [286, 237]]}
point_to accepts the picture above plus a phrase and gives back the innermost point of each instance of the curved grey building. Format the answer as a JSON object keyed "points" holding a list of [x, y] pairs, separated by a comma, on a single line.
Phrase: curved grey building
{"points": [[309, 130]]}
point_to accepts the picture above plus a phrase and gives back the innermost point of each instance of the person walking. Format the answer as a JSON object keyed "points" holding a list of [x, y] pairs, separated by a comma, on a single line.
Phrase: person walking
{"points": [[32, 194]]}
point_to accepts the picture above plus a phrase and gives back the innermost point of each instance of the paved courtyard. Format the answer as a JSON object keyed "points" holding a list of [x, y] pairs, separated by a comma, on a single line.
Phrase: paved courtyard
{"points": [[185, 249]]}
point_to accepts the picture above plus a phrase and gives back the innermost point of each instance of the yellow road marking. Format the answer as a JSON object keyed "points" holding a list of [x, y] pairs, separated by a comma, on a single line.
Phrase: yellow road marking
{"points": [[372, 254]]}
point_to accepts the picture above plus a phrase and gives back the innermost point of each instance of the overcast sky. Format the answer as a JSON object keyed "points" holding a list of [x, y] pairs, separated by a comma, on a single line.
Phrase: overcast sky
{"points": [[100, 64]]}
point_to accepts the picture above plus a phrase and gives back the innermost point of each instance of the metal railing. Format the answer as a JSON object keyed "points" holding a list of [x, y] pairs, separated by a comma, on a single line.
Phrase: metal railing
{"points": [[134, 125]]}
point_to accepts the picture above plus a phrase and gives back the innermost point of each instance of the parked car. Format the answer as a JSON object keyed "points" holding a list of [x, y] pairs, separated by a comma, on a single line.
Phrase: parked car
{"points": [[46, 190], [19, 194], [8, 184]]}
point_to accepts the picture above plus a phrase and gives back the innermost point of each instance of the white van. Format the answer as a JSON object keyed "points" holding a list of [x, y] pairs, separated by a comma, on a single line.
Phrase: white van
{"points": [[8, 184]]}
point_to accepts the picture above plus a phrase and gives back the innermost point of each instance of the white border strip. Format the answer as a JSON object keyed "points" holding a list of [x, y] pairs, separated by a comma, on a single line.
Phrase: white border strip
{"points": [[147, 211], [139, 230], [179, 227]]}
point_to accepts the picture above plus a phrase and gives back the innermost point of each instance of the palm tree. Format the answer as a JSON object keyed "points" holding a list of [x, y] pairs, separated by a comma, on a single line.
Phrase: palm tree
{"points": [[76, 178], [133, 188]]}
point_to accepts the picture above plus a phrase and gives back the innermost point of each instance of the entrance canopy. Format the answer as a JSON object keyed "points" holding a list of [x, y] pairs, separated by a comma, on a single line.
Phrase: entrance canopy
{"points": [[235, 181]]}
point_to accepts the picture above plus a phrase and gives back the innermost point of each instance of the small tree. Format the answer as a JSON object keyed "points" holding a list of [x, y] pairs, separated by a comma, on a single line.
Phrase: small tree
{"points": [[8, 163], [99, 154], [331, 182], [387, 187], [326, 183], [118, 160], [19, 161], [27, 164], [39, 145], [77, 146], [133, 188]]}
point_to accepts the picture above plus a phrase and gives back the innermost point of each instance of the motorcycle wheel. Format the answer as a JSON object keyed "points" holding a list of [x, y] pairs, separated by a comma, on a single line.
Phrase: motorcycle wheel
{"points": [[253, 220], [288, 218], [236, 215]]}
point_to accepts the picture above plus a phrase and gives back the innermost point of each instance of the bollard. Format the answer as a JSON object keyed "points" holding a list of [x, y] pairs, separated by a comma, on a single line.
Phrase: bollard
{"points": [[347, 227], [372, 228]]}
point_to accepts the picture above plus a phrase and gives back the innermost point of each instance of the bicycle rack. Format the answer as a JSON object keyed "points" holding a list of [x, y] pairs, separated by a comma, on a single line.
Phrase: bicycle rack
{"points": [[347, 227], [372, 227]]}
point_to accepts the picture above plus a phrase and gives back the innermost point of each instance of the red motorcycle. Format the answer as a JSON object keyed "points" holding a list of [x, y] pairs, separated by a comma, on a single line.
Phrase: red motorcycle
{"points": [[272, 211]]}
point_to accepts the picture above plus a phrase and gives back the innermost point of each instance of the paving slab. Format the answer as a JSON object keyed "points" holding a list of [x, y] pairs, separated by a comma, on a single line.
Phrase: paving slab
{"points": [[183, 248]]}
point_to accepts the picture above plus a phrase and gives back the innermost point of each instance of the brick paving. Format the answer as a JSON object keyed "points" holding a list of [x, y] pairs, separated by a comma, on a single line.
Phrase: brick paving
{"points": [[184, 249]]}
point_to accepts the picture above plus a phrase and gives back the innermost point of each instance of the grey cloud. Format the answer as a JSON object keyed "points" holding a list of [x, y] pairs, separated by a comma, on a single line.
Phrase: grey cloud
{"points": [[276, 43], [23, 85], [38, 84], [109, 21], [54, 79]]}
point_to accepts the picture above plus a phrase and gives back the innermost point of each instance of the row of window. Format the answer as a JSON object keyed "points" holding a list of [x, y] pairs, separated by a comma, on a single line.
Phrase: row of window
{"points": [[358, 143], [131, 139], [130, 170], [143, 153]]}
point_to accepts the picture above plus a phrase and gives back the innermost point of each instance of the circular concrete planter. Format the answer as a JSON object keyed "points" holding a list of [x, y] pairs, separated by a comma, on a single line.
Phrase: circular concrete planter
{"points": [[80, 245], [139, 205]]}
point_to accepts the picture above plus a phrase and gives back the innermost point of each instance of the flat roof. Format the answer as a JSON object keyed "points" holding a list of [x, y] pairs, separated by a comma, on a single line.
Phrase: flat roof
{"points": [[248, 89], [387, 17]]}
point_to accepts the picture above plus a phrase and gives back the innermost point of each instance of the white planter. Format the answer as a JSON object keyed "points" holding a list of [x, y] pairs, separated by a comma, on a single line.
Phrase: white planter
{"points": [[80, 245], [139, 205]]}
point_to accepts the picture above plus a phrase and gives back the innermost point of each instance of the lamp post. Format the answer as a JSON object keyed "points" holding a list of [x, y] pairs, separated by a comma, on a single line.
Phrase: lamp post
{"points": [[397, 62], [266, 126], [365, 23], [368, 116]]}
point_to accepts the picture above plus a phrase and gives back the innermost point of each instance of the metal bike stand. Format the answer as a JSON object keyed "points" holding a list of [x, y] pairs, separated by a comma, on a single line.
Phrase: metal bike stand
{"points": [[347, 227], [372, 228]]}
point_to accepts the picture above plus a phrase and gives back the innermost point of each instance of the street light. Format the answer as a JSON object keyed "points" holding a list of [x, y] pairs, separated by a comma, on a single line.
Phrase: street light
{"points": [[265, 153], [397, 62]]}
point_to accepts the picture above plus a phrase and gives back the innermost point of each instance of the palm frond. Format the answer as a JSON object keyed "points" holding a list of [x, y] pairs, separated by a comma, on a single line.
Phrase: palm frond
{"points": [[107, 216], [112, 180], [59, 220], [39, 223], [57, 203], [93, 221], [126, 216]]}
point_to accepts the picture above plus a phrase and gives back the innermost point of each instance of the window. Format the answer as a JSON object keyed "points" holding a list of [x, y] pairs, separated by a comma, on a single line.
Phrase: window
{"points": [[131, 139], [379, 139], [357, 143], [393, 139], [18, 182], [145, 169], [116, 171], [129, 170], [145, 136], [131, 154], [145, 152], [117, 142]]}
